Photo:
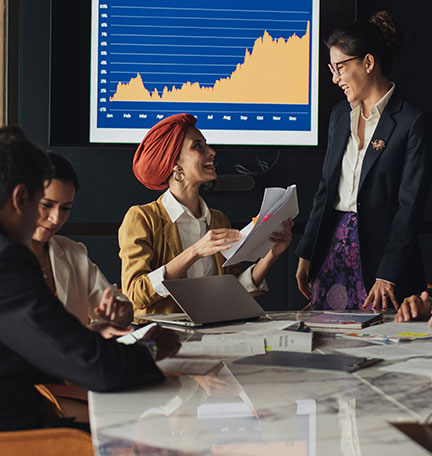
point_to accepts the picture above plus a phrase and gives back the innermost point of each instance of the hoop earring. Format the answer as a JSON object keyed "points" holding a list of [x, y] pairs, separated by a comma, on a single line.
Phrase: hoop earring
{"points": [[179, 175]]}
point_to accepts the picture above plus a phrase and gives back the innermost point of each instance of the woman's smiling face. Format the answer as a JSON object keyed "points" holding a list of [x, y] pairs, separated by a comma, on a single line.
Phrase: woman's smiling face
{"points": [[197, 158], [352, 78]]}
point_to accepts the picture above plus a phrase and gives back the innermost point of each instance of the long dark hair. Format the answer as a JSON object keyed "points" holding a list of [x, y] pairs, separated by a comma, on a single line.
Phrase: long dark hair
{"points": [[381, 36]]}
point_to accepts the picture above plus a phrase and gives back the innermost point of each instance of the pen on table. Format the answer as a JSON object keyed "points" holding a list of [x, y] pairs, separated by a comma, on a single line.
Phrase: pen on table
{"points": [[383, 341]]}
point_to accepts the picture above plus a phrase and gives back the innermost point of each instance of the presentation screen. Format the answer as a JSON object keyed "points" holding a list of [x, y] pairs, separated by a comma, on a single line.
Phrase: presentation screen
{"points": [[247, 69]]}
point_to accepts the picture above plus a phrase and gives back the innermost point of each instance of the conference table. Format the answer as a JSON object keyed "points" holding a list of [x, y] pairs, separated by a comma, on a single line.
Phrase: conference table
{"points": [[220, 407]]}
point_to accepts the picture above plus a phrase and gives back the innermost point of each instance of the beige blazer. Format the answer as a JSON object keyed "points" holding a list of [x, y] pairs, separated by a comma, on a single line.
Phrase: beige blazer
{"points": [[79, 282], [148, 240]]}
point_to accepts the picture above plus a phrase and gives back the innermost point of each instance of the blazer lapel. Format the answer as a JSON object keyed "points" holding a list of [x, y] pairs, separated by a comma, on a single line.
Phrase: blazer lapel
{"points": [[382, 132], [341, 134], [171, 233], [61, 270], [219, 258]]}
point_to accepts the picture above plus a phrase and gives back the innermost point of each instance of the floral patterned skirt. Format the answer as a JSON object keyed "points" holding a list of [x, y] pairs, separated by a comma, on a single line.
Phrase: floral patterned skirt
{"points": [[338, 285]]}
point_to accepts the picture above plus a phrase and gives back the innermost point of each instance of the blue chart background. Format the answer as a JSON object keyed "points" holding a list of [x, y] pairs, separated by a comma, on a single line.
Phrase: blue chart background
{"points": [[170, 42]]}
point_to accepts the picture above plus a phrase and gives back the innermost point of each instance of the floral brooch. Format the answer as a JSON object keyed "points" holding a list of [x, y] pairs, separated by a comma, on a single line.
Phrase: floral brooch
{"points": [[378, 144]]}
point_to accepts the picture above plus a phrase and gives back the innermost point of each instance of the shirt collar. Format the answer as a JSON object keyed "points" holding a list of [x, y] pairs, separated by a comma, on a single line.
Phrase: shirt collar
{"points": [[176, 210], [381, 104]]}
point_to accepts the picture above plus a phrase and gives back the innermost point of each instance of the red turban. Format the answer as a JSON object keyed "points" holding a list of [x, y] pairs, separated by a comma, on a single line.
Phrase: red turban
{"points": [[157, 154]]}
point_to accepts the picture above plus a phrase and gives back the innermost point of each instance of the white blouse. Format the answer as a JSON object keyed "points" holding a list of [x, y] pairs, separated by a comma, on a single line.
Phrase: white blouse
{"points": [[191, 230], [352, 161]]}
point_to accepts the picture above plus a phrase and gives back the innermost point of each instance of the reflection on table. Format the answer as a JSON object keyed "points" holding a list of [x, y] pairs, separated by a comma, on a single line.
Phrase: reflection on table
{"points": [[245, 410]]}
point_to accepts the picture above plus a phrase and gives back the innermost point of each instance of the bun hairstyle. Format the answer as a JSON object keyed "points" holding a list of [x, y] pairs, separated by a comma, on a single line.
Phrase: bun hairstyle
{"points": [[381, 36]]}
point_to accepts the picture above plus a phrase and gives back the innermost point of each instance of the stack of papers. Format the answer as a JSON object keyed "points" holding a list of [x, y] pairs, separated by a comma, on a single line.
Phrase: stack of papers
{"points": [[278, 204], [251, 339]]}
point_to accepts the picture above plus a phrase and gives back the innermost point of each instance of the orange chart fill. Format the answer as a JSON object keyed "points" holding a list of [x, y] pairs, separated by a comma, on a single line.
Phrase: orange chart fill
{"points": [[275, 71]]}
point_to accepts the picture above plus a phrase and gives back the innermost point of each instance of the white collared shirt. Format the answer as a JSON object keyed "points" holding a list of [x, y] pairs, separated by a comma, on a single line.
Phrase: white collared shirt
{"points": [[191, 230], [352, 161]]}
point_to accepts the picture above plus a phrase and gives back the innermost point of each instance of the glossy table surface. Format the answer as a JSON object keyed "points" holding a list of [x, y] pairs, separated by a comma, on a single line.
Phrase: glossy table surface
{"points": [[249, 410]]}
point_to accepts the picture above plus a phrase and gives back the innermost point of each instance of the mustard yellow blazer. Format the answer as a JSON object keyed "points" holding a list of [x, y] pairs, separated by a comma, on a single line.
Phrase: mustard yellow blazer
{"points": [[148, 239]]}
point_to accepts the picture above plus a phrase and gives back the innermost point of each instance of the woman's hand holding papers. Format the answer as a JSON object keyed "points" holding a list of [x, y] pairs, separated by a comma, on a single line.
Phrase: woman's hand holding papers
{"points": [[282, 239], [415, 307], [215, 241]]}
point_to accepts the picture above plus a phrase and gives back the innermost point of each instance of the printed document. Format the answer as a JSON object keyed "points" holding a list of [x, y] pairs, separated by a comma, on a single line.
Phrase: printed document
{"points": [[224, 345], [278, 204]]}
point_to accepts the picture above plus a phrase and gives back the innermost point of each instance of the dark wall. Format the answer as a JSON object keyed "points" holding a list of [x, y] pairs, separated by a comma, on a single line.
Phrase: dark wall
{"points": [[108, 187]]}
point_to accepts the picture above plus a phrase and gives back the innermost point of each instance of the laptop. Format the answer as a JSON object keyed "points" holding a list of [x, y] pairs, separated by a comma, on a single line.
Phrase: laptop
{"points": [[206, 300]]}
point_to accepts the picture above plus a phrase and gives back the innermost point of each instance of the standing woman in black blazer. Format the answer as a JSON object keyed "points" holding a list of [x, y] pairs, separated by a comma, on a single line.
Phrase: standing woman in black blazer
{"points": [[360, 245]]}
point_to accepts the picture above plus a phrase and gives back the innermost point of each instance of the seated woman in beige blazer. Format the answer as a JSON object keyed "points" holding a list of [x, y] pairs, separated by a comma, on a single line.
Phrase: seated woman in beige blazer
{"points": [[68, 271], [177, 235]]}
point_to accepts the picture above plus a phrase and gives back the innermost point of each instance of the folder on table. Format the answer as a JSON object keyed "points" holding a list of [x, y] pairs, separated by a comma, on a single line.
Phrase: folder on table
{"points": [[310, 361]]}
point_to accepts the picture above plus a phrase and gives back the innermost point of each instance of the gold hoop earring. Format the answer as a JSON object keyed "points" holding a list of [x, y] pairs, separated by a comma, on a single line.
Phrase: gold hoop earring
{"points": [[179, 175]]}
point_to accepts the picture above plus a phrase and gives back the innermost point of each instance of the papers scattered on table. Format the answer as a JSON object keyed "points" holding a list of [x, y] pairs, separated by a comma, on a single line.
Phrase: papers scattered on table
{"points": [[416, 366], [188, 366], [390, 352], [252, 339], [404, 331], [278, 204], [224, 345]]}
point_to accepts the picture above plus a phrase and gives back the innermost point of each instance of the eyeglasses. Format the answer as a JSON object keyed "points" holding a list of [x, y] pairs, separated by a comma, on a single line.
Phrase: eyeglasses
{"points": [[334, 67]]}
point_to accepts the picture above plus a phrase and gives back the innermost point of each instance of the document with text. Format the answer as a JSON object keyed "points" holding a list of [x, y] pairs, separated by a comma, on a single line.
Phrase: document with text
{"points": [[278, 204]]}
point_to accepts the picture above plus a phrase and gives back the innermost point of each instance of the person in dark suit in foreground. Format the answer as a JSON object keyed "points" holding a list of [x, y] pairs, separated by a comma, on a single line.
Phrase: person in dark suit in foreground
{"points": [[39, 340]]}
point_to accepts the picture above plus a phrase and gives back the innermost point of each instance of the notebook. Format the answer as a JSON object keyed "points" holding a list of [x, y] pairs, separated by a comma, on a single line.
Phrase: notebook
{"points": [[206, 300], [344, 320]]}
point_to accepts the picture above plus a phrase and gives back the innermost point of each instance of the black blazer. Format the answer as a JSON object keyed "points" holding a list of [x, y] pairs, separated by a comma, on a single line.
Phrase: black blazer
{"points": [[40, 340], [391, 196]]}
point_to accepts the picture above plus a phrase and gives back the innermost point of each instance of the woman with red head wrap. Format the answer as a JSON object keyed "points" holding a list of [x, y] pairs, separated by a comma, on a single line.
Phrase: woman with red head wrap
{"points": [[178, 235]]}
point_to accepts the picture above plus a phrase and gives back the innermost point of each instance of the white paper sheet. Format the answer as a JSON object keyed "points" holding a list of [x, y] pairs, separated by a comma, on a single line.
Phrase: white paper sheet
{"points": [[224, 345], [415, 366], [413, 329], [390, 352], [278, 205]]}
